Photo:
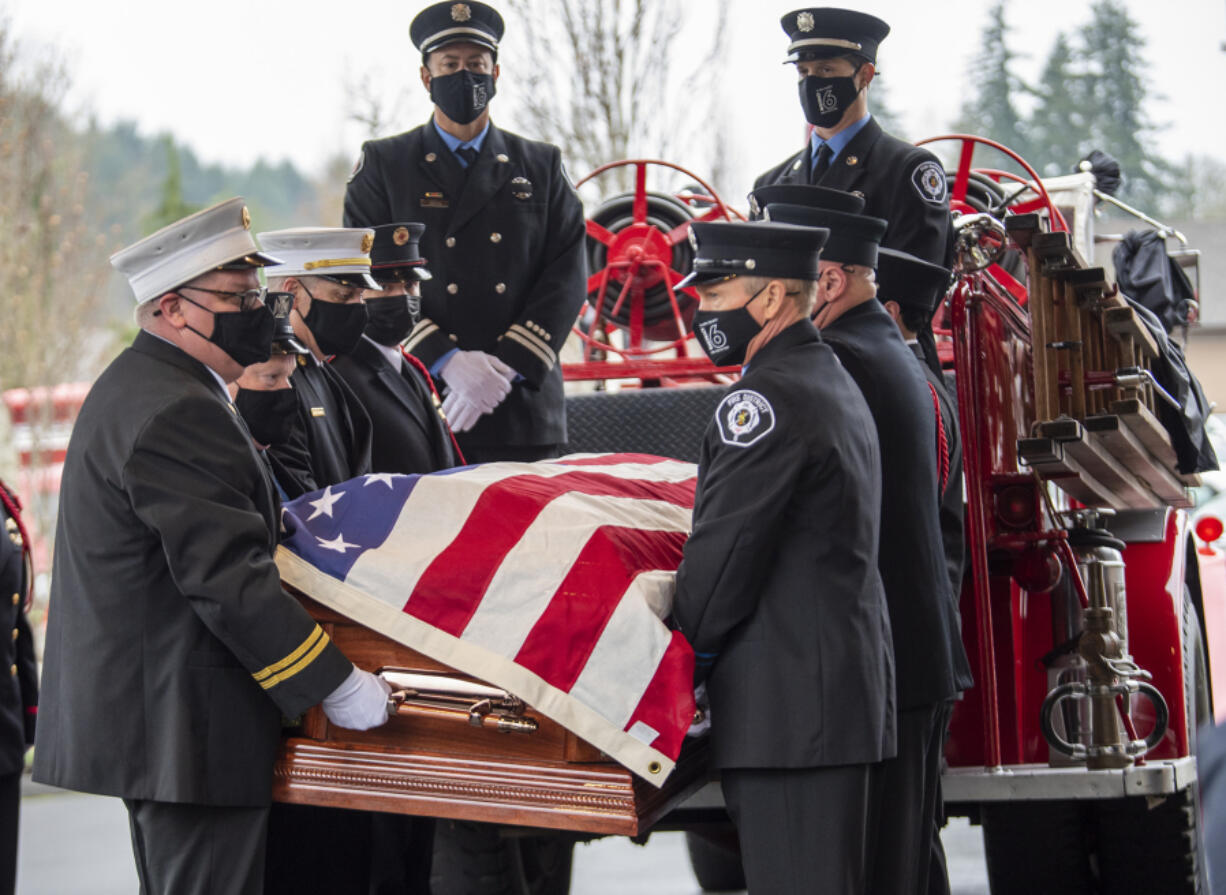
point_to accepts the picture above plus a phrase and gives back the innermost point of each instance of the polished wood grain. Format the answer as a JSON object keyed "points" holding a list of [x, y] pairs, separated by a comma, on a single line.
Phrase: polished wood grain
{"points": [[438, 766]]}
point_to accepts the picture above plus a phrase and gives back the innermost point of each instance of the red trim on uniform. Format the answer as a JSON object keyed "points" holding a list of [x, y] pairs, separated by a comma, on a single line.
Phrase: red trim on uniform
{"points": [[424, 371], [31, 710], [942, 441], [13, 505]]}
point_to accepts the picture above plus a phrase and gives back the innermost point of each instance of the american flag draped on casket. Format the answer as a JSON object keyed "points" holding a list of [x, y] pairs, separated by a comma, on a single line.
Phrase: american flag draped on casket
{"points": [[551, 580]]}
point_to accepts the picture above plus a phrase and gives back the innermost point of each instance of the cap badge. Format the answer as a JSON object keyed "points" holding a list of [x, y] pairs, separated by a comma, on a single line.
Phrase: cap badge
{"points": [[804, 21], [368, 240], [246, 218], [521, 187], [400, 235], [461, 12]]}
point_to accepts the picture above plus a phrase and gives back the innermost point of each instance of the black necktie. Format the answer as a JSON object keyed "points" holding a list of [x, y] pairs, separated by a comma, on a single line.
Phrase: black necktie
{"points": [[468, 154], [824, 154]]}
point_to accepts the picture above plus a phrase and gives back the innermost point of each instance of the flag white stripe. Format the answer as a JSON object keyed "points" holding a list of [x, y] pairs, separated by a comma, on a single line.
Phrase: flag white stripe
{"points": [[535, 567], [629, 650]]}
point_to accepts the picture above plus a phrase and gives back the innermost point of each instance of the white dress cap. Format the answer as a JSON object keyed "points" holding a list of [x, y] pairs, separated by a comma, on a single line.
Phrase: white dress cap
{"points": [[216, 238], [342, 253]]}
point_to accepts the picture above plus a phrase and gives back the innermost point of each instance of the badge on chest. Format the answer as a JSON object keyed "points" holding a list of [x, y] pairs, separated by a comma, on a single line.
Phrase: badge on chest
{"points": [[434, 200]]}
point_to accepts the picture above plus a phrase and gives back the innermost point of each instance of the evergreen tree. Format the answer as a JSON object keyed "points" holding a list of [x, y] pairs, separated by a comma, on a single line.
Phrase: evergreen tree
{"points": [[172, 206], [1057, 127], [991, 110], [1115, 98], [883, 110]]}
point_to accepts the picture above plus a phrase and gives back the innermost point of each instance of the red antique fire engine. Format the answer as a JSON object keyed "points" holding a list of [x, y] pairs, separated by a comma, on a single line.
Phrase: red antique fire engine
{"points": [[1093, 611]]}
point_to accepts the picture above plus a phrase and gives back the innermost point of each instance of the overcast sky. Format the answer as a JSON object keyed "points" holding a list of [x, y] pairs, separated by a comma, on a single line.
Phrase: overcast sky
{"points": [[242, 79]]}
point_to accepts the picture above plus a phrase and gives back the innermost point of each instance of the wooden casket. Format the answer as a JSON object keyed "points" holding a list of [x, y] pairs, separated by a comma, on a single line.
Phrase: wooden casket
{"points": [[467, 759]]}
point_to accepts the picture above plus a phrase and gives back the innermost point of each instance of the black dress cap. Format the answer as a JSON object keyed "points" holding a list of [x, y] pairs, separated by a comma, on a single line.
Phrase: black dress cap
{"points": [[395, 255], [910, 281], [804, 194], [726, 249], [853, 237], [446, 23], [826, 32]]}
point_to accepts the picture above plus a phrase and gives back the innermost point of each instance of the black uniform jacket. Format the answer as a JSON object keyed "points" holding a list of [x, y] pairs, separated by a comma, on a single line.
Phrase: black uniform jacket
{"points": [[19, 692], [409, 432], [779, 592], [901, 182], [931, 660], [172, 652], [953, 509], [337, 427], [505, 242]]}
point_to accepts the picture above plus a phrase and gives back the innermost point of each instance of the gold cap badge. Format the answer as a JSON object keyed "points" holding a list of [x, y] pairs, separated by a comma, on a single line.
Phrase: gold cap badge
{"points": [[246, 218], [400, 235], [461, 12], [804, 21], [368, 240]]}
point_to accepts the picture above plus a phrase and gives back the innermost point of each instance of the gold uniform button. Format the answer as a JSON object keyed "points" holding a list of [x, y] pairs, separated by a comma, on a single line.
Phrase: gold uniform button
{"points": [[15, 633], [452, 288], [500, 288], [449, 242], [495, 238], [16, 599], [13, 671]]}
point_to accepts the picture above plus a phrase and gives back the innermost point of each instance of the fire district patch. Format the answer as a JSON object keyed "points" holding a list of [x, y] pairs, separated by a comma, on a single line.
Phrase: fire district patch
{"points": [[744, 417], [929, 182], [357, 166]]}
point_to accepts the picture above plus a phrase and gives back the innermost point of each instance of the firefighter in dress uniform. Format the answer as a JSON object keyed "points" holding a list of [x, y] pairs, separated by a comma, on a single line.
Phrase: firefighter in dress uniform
{"points": [[327, 270], [505, 239], [911, 290], [19, 700], [931, 662], [410, 433], [265, 399], [779, 591], [835, 52], [172, 651]]}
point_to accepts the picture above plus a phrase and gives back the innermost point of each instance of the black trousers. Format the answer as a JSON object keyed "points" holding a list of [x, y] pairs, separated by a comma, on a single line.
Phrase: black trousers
{"points": [[803, 831], [906, 803], [521, 454], [183, 849], [10, 810]]}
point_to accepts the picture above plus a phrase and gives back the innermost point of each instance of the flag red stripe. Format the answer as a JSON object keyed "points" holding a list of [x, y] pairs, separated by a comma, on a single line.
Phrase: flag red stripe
{"points": [[564, 636], [667, 705], [615, 460], [453, 585]]}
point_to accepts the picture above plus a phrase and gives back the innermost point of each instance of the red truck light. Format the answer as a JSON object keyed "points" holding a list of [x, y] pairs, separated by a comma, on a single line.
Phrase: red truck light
{"points": [[1208, 529], [1037, 570], [1015, 505]]}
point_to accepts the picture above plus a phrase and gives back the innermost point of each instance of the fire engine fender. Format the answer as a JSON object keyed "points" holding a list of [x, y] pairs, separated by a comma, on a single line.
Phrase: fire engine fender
{"points": [[1162, 564]]}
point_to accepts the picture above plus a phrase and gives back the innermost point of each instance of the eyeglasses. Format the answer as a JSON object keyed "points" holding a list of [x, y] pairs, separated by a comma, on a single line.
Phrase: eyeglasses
{"points": [[248, 300]]}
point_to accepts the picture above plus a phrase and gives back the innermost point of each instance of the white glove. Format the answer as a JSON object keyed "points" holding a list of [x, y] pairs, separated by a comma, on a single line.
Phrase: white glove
{"points": [[481, 379], [702, 712], [461, 413], [360, 702]]}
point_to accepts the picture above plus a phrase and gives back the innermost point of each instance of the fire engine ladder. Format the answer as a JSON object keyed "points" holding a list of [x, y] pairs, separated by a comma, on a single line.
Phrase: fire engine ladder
{"points": [[1097, 434]]}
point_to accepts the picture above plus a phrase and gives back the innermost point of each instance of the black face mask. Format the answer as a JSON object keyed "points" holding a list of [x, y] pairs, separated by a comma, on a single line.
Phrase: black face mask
{"points": [[462, 96], [826, 99], [336, 327], [244, 335], [270, 416], [725, 335], [390, 319]]}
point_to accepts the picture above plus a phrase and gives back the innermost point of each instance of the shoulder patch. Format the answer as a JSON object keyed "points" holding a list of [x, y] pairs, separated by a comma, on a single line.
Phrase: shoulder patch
{"points": [[357, 167], [744, 418], [928, 178]]}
